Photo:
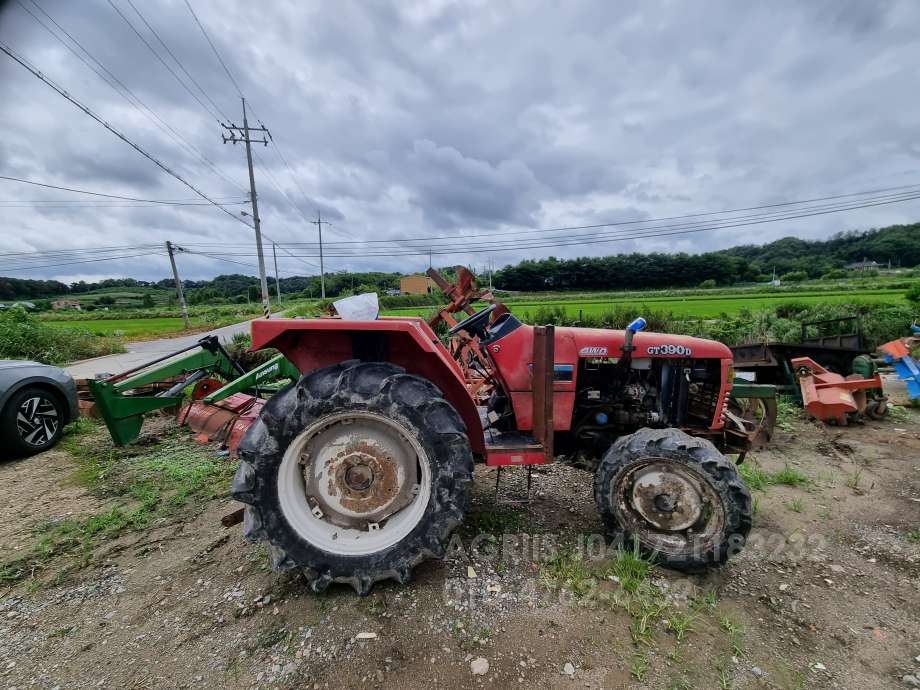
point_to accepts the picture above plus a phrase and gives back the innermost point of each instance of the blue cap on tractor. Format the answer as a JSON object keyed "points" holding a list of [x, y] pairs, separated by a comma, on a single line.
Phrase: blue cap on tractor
{"points": [[637, 324]]}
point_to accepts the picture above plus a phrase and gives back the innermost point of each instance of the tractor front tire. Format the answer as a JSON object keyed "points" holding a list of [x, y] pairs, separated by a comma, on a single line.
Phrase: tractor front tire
{"points": [[355, 474], [676, 496]]}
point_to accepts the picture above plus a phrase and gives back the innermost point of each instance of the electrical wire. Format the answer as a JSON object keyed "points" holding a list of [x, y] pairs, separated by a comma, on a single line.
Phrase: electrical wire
{"points": [[177, 61], [164, 63], [575, 228], [109, 248], [72, 263], [645, 233], [213, 48], [122, 90], [109, 198], [60, 90]]}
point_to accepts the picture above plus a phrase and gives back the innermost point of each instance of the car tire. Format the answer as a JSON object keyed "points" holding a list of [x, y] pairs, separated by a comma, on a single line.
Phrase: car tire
{"points": [[32, 421]]}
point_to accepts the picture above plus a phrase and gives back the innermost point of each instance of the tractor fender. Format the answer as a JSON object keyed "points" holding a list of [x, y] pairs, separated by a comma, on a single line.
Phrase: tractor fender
{"points": [[407, 342]]}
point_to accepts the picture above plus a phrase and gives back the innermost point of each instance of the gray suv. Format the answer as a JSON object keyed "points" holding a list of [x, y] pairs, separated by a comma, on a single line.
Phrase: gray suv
{"points": [[36, 402]]}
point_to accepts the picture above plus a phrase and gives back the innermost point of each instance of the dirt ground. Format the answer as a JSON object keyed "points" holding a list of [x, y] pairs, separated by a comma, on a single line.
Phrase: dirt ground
{"points": [[826, 594]]}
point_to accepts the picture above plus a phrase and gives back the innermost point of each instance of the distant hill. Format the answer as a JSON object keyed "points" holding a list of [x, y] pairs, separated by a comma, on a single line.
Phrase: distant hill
{"points": [[899, 244]]}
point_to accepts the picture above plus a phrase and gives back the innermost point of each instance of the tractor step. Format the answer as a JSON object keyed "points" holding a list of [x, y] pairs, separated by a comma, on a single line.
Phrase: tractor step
{"points": [[513, 448]]}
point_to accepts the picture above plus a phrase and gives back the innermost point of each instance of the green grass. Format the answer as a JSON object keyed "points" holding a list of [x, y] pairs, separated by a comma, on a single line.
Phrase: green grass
{"points": [[567, 569], [691, 305], [680, 623], [124, 327], [495, 521], [735, 632], [138, 485], [787, 411], [914, 534], [639, 667], [22, 336], [759, 479], [630, 568], [147, 327]]}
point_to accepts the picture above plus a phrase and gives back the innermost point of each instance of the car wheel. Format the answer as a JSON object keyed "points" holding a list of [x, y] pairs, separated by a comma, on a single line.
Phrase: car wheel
{"points": [[32, 421]]}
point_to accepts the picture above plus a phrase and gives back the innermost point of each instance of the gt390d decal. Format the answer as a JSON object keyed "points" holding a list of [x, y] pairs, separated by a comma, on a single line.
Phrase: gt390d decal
{"points": [[679, 350]]}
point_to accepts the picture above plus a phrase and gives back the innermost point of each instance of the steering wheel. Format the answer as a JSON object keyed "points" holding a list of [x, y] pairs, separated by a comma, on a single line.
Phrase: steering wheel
{"points": [[475, 323]]}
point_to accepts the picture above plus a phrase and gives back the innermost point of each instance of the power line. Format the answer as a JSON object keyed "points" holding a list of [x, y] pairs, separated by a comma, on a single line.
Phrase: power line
{"points": [[643, 233], [163, 62], [274, 183], [94, 249], [714, 223], [99, 204], [270, 138], [217, 54], [121, 89], [72, 263], [177, 61], [114, 197], [573, 228], [22, 61]]}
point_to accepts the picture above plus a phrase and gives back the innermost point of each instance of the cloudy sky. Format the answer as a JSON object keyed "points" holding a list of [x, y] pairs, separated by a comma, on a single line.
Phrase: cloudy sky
{"points": [[443, 119]]}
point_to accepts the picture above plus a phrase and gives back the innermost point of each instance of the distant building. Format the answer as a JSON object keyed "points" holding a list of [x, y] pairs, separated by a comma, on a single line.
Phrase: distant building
{"points": [[864, 265], [65, 304], [415, 285], [28, 306]]}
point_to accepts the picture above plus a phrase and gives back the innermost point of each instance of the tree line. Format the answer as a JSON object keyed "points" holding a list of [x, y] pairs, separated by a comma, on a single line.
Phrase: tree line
{"points": [[790, 257]]}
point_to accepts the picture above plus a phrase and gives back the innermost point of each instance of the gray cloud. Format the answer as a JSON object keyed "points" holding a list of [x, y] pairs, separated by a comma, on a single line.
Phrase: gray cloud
{"points": [[428, 118]]}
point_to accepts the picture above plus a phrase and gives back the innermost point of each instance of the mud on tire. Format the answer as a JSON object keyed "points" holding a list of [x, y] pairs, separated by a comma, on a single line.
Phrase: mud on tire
{"points": [[719, 528], [376, 391]]}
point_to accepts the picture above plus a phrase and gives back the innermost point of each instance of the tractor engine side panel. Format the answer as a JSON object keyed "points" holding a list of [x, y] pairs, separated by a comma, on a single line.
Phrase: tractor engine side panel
{"points": [[513, 359]]}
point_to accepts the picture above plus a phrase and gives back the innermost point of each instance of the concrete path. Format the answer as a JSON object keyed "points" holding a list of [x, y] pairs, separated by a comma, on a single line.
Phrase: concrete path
{"points": [[140, 352]]}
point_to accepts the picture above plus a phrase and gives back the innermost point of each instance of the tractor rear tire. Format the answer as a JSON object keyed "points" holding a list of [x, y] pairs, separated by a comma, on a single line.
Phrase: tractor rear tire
{"points": [[356, 474], [675, 495]]}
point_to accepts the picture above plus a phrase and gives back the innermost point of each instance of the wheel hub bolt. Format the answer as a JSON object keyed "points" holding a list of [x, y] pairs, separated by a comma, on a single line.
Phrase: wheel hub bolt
{"points": [[664, 503], [359, 477]]}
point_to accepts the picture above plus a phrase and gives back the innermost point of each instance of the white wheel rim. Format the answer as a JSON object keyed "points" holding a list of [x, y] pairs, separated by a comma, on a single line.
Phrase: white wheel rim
{"points": [[322, 478]]}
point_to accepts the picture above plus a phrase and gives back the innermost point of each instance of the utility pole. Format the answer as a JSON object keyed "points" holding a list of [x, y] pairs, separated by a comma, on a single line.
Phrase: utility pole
{"points": [[238, 134], [172, 259], [277, 280], [322, 271]]}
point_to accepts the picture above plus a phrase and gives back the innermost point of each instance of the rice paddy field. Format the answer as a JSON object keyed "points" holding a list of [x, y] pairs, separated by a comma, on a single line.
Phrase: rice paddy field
{"points": [[700, 305], [129, 328]]}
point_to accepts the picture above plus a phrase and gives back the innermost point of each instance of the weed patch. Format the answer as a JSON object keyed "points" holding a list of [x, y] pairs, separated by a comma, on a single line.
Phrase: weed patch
{"points": [[787, 412], [496, 521], [143, 484], [630, 568], [758, 479], [568, 570], [25, 337]]}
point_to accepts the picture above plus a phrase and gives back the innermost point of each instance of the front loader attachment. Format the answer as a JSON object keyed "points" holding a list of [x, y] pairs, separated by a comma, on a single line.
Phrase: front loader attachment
{"points": [[123, 399]]}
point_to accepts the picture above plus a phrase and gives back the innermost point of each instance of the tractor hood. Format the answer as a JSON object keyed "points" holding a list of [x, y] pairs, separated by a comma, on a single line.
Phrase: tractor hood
{"points": [[598, 342]]}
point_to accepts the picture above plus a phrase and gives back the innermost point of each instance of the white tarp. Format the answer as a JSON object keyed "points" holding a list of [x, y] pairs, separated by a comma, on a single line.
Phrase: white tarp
{"points": [[363, 307]]}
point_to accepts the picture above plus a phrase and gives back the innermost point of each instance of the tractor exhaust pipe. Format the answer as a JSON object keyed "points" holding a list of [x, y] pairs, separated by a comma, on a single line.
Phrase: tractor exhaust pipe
{"points": [[634, 327]]}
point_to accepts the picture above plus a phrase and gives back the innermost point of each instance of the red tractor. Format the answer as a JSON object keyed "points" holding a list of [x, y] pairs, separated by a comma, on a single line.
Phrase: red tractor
{"points": [[360, 470]]}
